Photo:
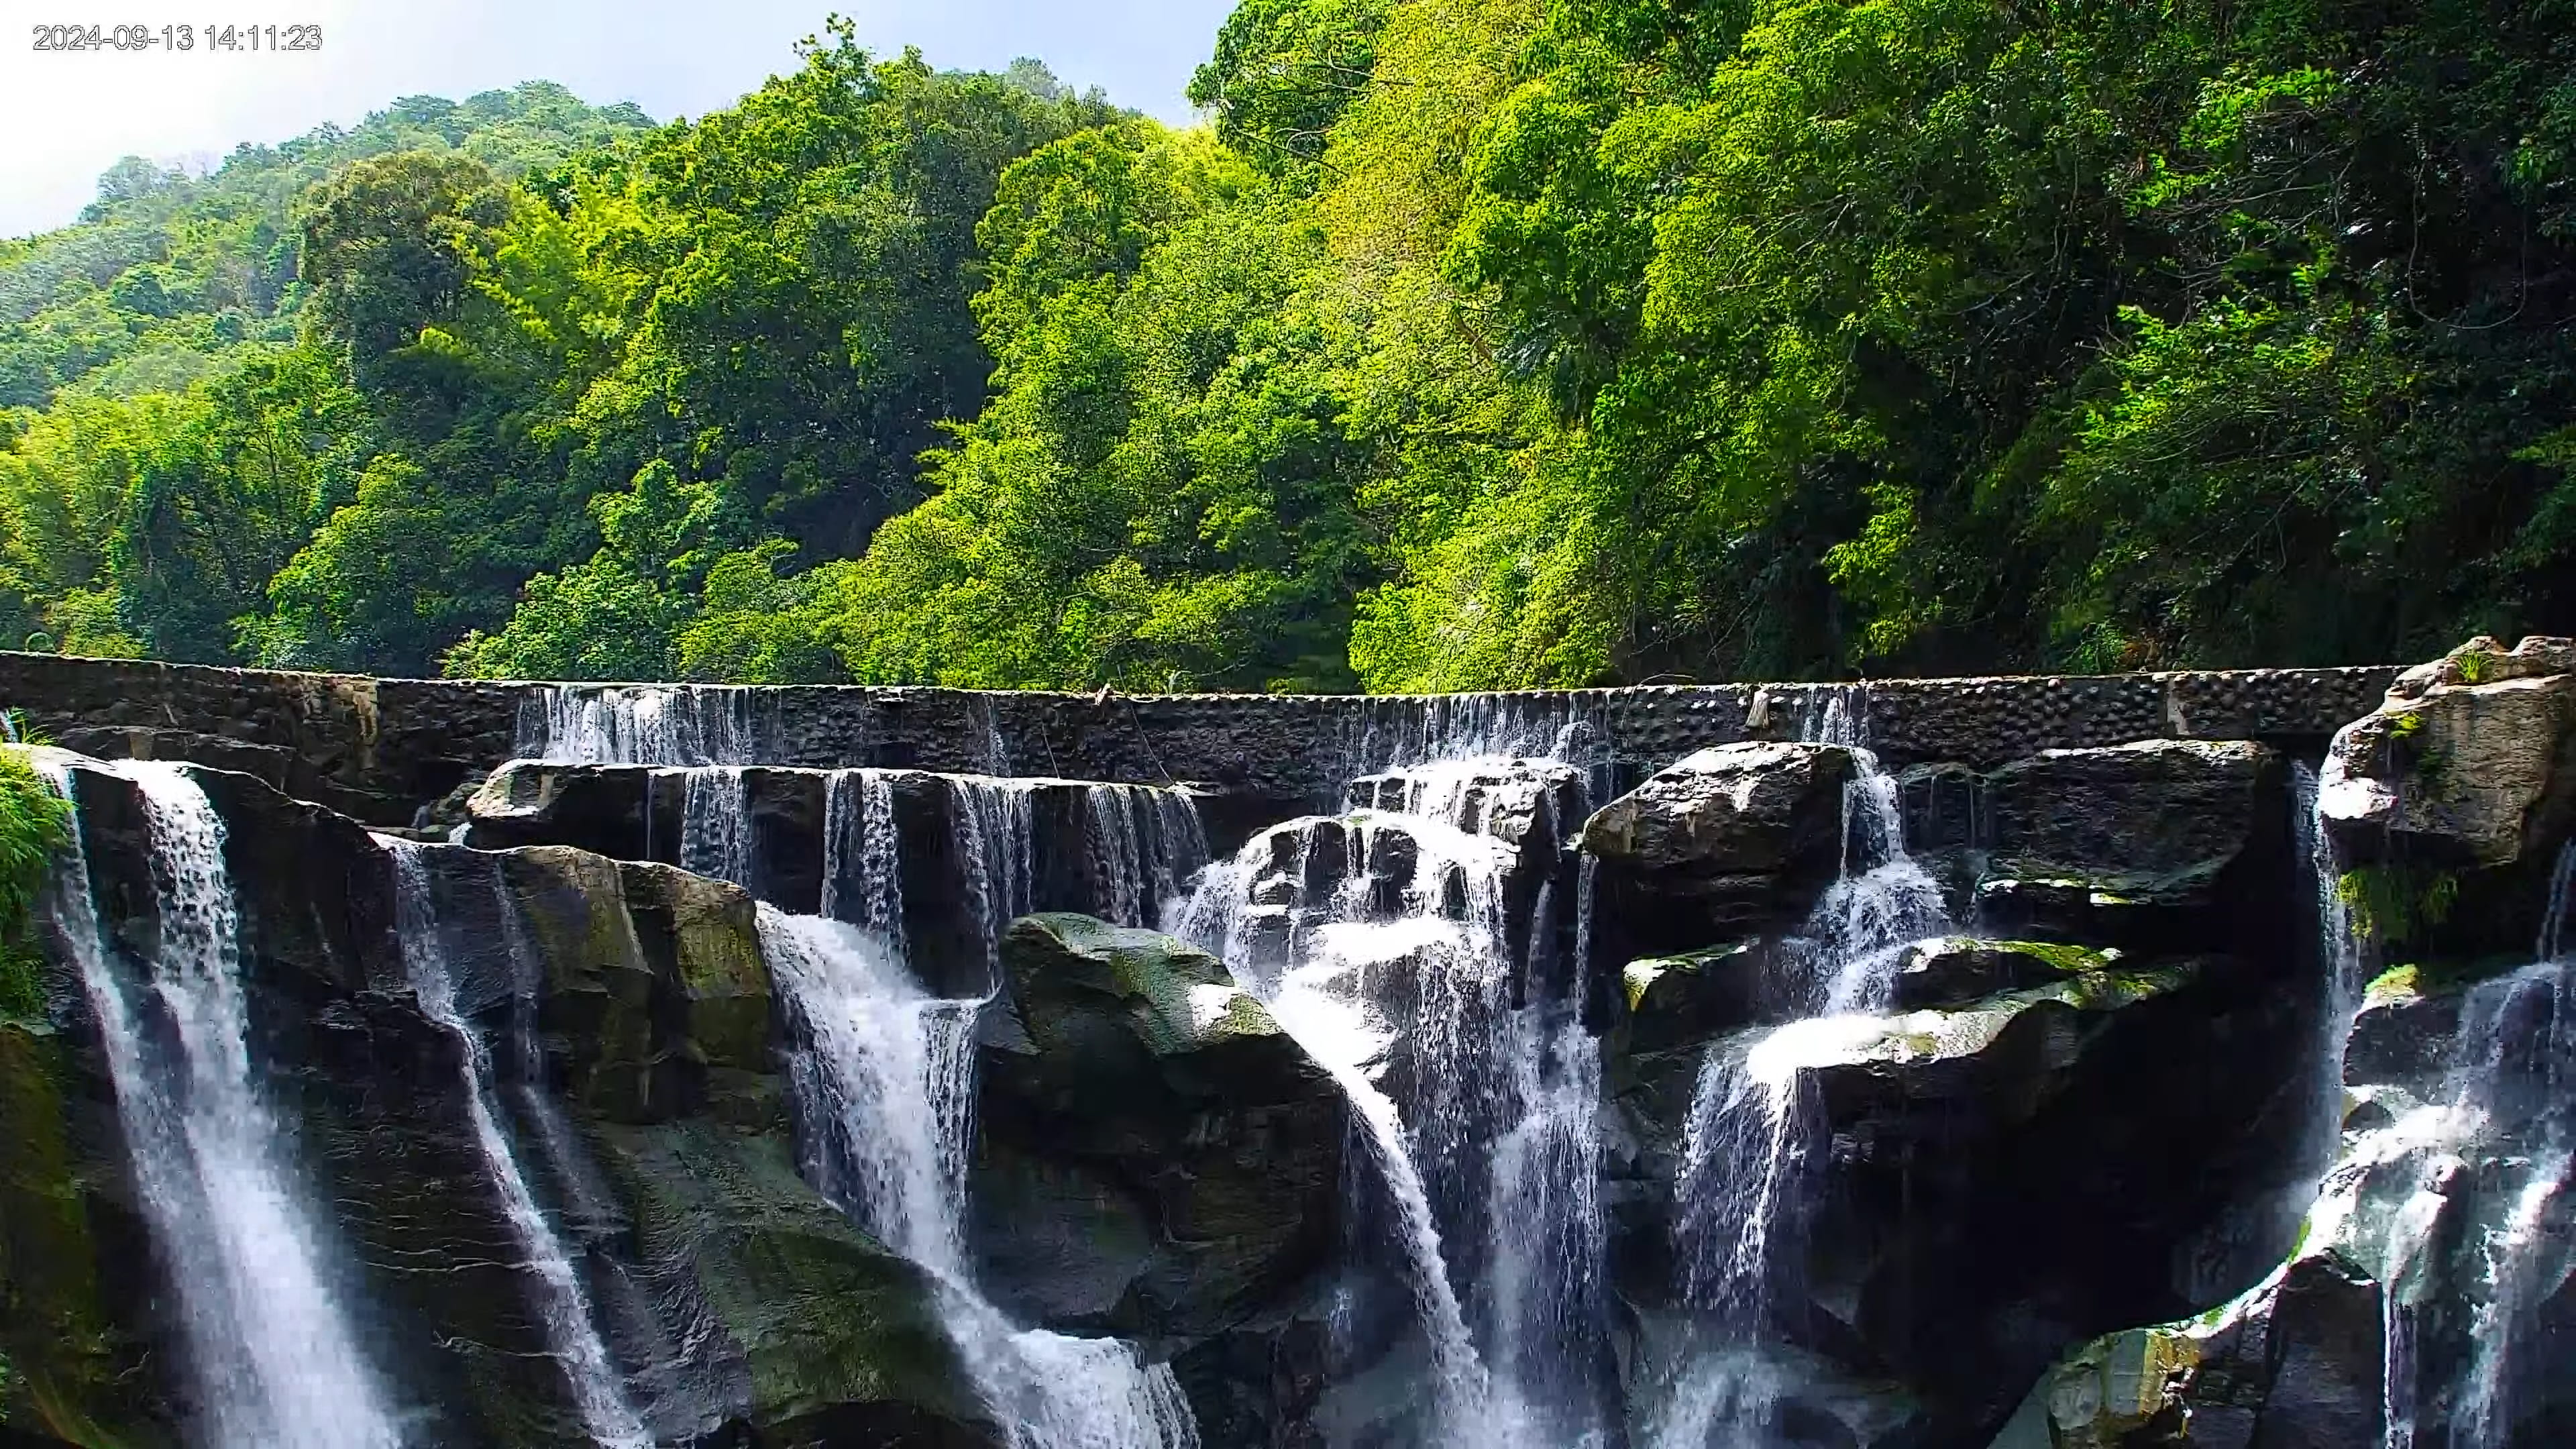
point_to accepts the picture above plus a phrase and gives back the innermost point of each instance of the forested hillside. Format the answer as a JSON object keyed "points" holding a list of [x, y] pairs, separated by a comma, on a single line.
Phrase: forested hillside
{"points": [[1471, 343]]}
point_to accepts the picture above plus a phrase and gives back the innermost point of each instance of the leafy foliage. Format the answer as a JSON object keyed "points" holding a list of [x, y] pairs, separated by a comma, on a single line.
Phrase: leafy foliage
{"points": [[33, 825], [1478, 343]]}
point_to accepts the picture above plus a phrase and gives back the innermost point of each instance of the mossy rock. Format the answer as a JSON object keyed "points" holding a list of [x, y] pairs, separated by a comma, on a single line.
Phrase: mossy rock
{"points": [[814, 1332], [1958, 969], [1156, 1157], [69, 1374], [1172, 998], [1688, 997]]}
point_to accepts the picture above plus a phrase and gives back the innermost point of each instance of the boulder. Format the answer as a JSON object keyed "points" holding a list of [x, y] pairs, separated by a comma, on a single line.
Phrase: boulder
{"points": [[2469, 762], [1970, 1169], [2167, 844], [798, 1327], [1156, 1156], [1956, 969], [1728, 840], [1685, 999]]}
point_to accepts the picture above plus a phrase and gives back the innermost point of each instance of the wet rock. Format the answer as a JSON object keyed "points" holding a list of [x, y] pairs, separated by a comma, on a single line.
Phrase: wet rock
{"points": [[2438, 1221], [1956, 969], [1676, 1001], [2170, 844], [1986, 1161], [650, 1119], [803, 1330], [1728, 840], [1968, 1169], [76, 1270], [2298, 1361], [1157, 1157], [2152, 808]]}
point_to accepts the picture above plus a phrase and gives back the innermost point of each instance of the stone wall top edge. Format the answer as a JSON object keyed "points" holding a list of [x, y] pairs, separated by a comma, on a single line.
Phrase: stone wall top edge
{"points": [[2346, 672]]}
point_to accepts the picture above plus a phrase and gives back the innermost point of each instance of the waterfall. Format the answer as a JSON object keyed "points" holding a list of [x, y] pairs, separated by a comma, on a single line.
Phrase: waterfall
{"points": [[715, 823], [2489, 1160], [996, 837], [858, 825], [1145, 843], [1379, 940], [886, 1074], [1750, 1142], [884, 1083], [637, 724], [563, 1307], [275, 1360], [884, 1088]]}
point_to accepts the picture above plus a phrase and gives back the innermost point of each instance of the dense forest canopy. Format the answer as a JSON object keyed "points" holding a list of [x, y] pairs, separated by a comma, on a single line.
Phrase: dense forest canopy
{"points": [[1470, 343]]}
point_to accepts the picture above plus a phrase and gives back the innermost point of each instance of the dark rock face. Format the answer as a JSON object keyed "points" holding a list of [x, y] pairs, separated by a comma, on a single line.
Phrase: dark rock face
{"points": [[1157, 1157], [2421, 1202], [654, 1126], [2116, 1057], [2138, 844], [1972, 1168], [1729, 840]]}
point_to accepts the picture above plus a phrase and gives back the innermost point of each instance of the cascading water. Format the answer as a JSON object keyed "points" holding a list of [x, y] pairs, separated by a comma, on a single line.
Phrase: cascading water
{"points": [[884, 1084], [1750, 1143], [1145, 844], [637, 724], [1380, 940], [715, 823], [275, 1361], [858, 826], [2484, 1212], [563, 1307]]}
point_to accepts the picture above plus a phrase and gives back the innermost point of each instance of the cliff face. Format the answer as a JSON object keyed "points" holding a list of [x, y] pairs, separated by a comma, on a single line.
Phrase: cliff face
{"points": [[1787, 1090]]}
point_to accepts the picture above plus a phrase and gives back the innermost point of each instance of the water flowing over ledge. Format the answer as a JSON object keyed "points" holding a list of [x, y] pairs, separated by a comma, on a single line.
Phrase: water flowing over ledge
{"points": [[1791, 1094]]}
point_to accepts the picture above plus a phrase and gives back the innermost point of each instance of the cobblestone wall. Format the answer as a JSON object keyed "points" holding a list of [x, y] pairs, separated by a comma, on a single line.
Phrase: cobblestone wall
{"points": [[380, 749]]}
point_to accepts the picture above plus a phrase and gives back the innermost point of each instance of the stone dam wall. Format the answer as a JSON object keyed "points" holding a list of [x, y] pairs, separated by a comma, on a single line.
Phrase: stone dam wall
{"points": [[382, 749]]}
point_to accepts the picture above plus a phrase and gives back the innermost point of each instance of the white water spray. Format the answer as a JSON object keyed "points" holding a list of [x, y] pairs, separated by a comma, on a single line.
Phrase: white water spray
{"points": [[1749, 1144], [563, 1307], [275, 1360]]}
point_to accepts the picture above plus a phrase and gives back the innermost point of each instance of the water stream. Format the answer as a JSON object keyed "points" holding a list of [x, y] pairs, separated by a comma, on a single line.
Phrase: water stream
{"points": [[563, 1307], [883, 1078], [1380, 938], [274, 1359], [1752, 1142], [2482, 1212]]}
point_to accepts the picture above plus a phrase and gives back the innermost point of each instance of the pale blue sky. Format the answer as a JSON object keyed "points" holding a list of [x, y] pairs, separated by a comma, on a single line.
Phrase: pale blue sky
{"points": [[68, 117]]}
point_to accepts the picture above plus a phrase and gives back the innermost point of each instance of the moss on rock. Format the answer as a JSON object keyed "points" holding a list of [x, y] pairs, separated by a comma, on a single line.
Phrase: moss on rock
{"points": [[66, 1365]]}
